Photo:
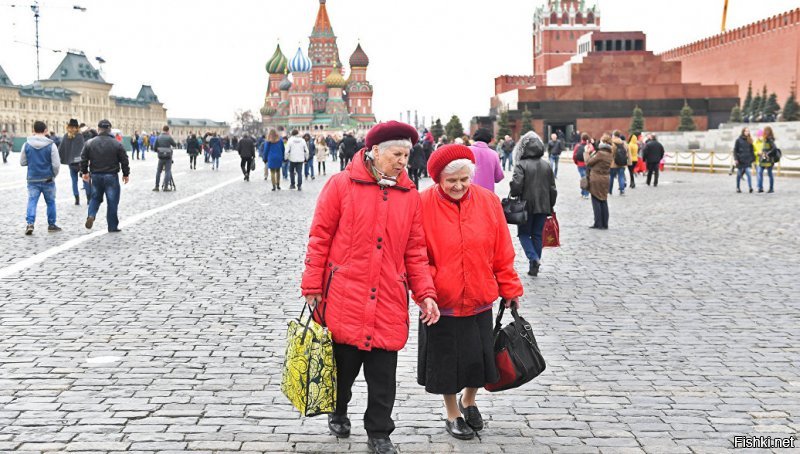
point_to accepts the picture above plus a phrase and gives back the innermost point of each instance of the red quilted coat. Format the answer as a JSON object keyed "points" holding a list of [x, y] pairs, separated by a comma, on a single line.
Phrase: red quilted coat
{"points": [[366, 248], [470, 251]]}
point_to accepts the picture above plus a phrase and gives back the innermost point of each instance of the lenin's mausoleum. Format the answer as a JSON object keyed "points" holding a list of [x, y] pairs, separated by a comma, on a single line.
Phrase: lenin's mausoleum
{"points": [[585, 79]]}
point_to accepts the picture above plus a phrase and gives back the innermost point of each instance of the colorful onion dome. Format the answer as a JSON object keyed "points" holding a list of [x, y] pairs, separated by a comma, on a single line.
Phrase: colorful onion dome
{"points": [[277, 64], [300, 63], [285, 83], [359, 58], [335, 79], [268, 111]]}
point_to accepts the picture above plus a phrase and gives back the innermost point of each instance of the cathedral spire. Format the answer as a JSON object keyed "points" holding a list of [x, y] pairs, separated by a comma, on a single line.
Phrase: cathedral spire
{"points": [[323, 24]]}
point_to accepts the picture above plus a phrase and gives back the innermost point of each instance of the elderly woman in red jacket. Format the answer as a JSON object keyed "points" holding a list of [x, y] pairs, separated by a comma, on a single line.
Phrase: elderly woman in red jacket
{"points": [[472, 263], [366, 249]]}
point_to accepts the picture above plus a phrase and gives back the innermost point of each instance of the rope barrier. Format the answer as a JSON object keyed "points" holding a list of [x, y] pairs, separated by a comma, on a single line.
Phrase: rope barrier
{"points": [[703, 159], [791, 159]]}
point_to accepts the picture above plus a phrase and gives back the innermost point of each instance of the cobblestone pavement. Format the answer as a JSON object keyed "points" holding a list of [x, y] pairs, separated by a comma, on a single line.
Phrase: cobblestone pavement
{"points": [[672, 332]]}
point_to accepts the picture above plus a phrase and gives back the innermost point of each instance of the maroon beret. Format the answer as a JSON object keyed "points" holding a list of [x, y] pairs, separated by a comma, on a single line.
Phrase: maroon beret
{"points": [[445, 155], [391, 130]]}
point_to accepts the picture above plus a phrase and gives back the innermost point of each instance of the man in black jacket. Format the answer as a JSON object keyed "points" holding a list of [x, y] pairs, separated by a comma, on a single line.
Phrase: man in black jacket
{"points": [[164, 144], [652, 154], [349, 149], [70, 150], [247, 151], [101, 160]]}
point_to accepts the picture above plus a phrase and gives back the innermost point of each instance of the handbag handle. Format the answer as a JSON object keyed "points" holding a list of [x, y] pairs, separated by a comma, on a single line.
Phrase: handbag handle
{"points": [[498, 321], [310, 317]]}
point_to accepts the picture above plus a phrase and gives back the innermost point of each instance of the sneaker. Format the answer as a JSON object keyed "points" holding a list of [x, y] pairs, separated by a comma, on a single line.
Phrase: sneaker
{"points": [[53, 228], [29, 229], [89, 222]]}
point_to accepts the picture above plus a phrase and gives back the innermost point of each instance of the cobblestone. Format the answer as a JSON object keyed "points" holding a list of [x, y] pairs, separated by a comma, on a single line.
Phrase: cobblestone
{"points": [[670, 333]]}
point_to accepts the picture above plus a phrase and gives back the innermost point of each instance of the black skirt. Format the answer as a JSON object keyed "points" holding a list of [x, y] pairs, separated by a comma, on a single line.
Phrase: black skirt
{"points": [[456, 353]]}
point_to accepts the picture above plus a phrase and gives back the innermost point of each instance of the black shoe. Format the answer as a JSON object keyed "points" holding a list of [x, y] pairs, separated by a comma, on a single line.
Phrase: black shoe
{"points": [[299, 188], [760, 191], [770, 191], [459, 429], [471, 415], [593, 227], [751, 190], [77, 200], [89, 222], [533, 270], [114, 230], [738, 190], [279, 187], [53, 228], [339, 425], [29, 229], [381, 446], [155, 189], [292, 187]]}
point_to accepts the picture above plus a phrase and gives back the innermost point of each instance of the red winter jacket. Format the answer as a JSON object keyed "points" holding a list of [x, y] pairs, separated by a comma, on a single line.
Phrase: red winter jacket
{"points": [[470, 251], [366, 247]]}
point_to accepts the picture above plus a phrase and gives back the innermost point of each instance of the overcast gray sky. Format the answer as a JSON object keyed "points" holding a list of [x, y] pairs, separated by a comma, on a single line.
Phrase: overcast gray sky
{"points": [[206, 58]]}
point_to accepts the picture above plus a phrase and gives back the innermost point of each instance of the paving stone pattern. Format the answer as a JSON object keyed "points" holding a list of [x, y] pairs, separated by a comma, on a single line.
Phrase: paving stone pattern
{"points": [[671, 332]]}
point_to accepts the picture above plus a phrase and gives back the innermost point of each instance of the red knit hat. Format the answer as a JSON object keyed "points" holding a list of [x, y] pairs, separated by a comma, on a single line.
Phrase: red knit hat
{"points": [[445, 155], [391, 130]]}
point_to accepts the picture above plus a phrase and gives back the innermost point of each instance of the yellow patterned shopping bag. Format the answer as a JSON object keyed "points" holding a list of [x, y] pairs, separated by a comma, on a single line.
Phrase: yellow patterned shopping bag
{"points": [[309, 367]]}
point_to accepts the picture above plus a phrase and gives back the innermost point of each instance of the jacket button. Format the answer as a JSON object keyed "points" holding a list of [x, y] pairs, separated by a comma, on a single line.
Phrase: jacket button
{"points": [[372, 297], [385, 198], [330, 264], [380, 239], [373, 290], [366, 344], [379, 246], [369, 338]]}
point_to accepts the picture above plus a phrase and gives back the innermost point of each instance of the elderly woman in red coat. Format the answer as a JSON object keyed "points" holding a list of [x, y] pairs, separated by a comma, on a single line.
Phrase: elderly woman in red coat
{"points": [[472, 263], [366, 249]]}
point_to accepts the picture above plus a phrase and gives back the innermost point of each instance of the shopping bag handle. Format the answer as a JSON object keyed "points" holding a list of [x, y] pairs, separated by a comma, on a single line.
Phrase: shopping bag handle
{"points": [[310, 317]]}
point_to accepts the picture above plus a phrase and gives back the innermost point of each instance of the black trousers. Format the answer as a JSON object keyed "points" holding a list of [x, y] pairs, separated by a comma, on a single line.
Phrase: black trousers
{"points": [[296, 168], [600, 208], [245, 165], [380, 373], [631, 173], [652, 169], [343, 160], [414, 174]]}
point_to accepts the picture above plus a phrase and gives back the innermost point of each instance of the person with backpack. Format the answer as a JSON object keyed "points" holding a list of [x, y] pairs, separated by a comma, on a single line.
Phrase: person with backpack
{"points": [[40, 156], [770, 154], [554, 148], [164, 144], [619, 164], [579, 155]]}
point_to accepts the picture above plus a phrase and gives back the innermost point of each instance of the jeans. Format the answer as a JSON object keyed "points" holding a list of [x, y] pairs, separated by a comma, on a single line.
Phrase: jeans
{"points": [[308, 168], [600, 209], [5, 156], [108, 184], [582, 172], [530, 236], [332, 151], [285, 170], [296, 167], [554, 164], [508, 157], [652, 169], [618, 173], [215, 163], [380, 373], [73, 172], [744, 171], [761, 178], [164, 165], [48, 190]]}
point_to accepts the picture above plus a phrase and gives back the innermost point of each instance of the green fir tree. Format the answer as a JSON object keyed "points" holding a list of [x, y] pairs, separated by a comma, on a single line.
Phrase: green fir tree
{"points": [[791, 110], [687, 122], [453, 128], [755, 108], [771, 108], [437, 130], [502, 125], [736, 115], [527, 121], [637, 121], [747, 108]]}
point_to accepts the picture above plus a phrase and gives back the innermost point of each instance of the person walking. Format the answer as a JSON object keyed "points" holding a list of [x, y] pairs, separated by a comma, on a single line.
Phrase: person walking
{"points": [[296, 154], [246, 147], [487, 163], [535, 183], [619, 164], [416, 161], [193, 150], [272, 154], [652, 154], [215, 149], [633, 151], [508, 153], [5, 145], [744, 156], [554, 148], [70, 151], [349, 147], [332, 146], [164, 144], [579, 155], [366, 249], [40, 156], [321, 156], [153, 138], [472, 267], [285, 165], [135, 145], [767, 160], [308, 166], [101, 160], [599, 165]]}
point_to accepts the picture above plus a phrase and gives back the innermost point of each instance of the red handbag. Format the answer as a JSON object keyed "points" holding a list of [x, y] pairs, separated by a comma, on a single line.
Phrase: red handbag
{"points": [[551, 234]]}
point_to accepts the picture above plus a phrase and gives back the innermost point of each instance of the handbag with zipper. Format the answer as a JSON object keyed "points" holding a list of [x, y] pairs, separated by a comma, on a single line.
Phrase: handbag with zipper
{"points": [[515, 210], [517, 354]]}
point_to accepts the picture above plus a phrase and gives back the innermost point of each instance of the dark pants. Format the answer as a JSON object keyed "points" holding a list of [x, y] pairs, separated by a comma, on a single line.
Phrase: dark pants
{"points": [[333, 152], [600, 208], [530, 236], [105, 184], [285, 170], [652, 170], [630, 172], [134, 151], [308, 168], [296, 168], [74, 169], [343, 160], [193, 161], [380, 373], [164, 165], [321, 168], [415, 174], [245, 165]]}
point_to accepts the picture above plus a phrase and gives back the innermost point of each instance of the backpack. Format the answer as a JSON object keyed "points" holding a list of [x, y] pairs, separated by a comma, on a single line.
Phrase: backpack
{"points": [[620, 155], [579, 153]]}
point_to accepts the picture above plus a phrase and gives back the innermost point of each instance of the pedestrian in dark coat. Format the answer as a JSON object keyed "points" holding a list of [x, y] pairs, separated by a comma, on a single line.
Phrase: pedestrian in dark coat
{"points": [[416, 162], [600, 180], [272, 153], [192, 149], [247, 151], [70, 150], [215, 146], [744, 156], [652, 154], [535, 183]]}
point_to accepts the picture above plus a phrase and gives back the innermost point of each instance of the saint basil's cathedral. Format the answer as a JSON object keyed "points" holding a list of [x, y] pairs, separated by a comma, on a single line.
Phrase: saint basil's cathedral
{"points": [[311, 93]]}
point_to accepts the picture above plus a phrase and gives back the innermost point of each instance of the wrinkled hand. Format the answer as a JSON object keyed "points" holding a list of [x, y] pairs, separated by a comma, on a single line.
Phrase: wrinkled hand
{"points": [[429, 312], [312, 300], [513, 303], [85, 177]]}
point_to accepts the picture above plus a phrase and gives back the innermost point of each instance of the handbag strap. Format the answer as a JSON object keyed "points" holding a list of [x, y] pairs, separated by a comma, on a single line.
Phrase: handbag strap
{"points": [[310, 317], [499, 320]]}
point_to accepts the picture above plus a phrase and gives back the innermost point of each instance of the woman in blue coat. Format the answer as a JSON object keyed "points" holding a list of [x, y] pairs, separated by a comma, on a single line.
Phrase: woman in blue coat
{"points": [[216, 150], [272, 154]]}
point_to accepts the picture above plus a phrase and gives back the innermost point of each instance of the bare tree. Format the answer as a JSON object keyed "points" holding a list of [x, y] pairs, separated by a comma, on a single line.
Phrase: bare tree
{"points": [[248, 122]]}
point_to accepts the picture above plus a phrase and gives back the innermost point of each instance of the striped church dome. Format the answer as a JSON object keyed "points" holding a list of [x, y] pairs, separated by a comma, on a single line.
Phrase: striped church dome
{"points": [[300, 63], [277, 64]]}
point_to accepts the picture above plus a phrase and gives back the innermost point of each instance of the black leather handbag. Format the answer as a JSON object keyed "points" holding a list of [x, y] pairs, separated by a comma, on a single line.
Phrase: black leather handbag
{"points": [[515, 210], [517, 354]]}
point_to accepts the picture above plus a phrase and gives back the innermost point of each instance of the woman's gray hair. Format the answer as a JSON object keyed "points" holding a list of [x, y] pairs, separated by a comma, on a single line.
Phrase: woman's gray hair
{"points": [[383, 146], [523, 141], [457, 165]]}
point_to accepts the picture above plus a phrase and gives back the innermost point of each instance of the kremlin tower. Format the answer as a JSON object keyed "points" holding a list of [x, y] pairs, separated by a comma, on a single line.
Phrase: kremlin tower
{"points": [[318, 97]]}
